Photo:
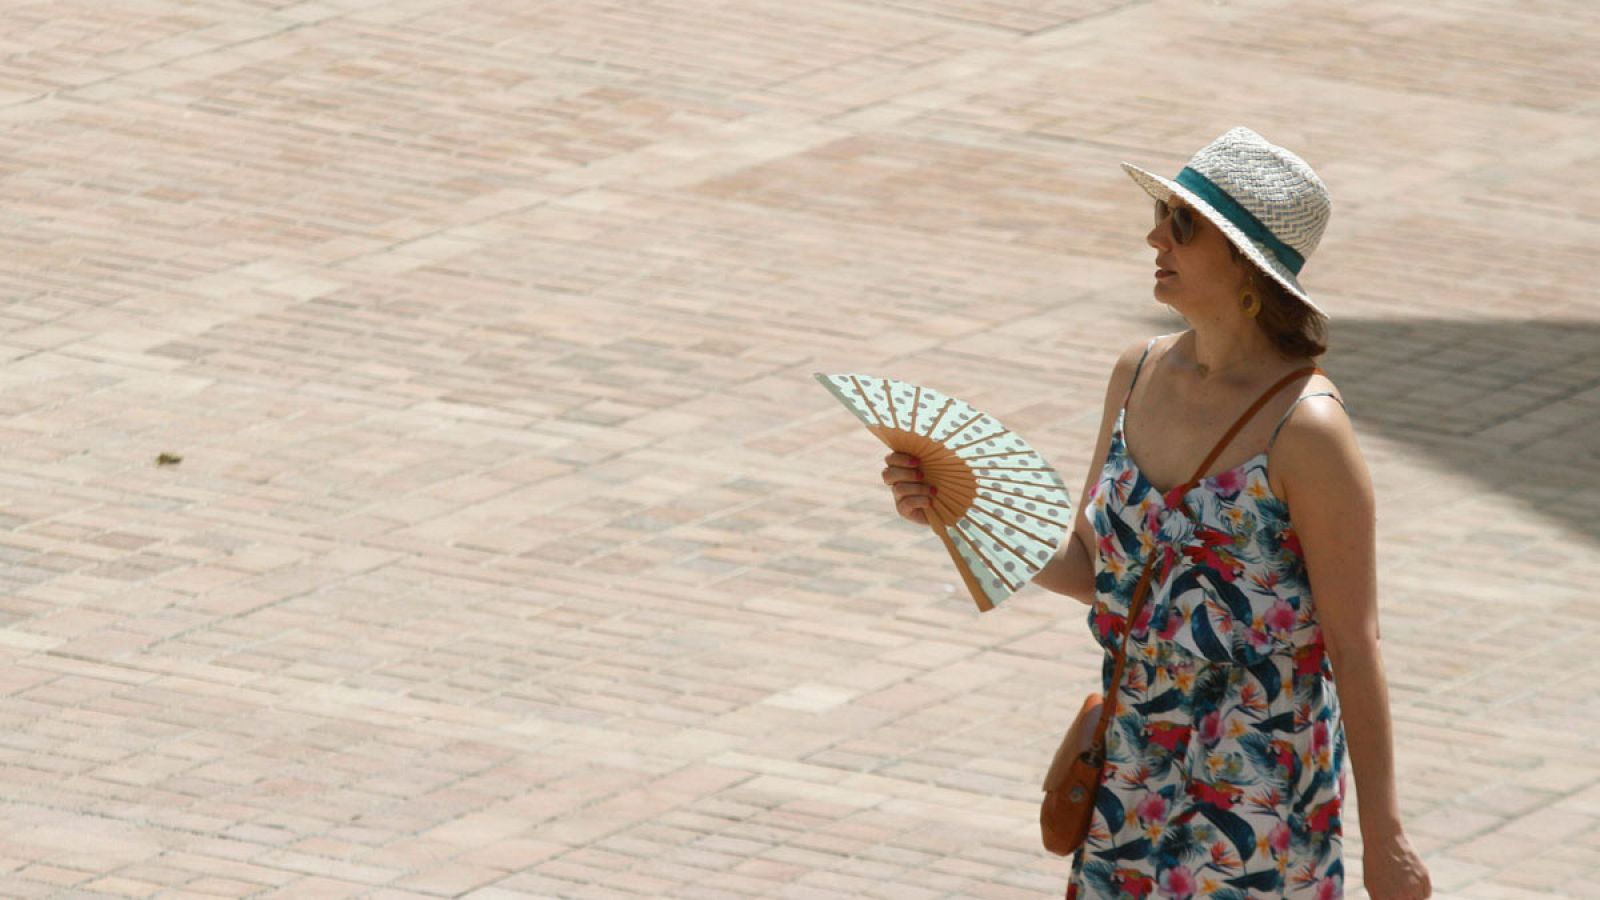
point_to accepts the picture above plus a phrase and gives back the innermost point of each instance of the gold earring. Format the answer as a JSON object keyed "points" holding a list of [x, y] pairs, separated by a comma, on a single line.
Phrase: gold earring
{"points": [[1251, 303]]}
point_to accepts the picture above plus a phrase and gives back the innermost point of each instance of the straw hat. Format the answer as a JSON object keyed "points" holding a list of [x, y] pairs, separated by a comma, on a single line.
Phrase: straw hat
{"points": [[1266, 200]]}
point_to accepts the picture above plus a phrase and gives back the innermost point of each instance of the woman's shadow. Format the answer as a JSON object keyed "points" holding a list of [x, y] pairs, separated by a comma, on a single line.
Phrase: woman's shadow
{"points": [[1513, 405]]}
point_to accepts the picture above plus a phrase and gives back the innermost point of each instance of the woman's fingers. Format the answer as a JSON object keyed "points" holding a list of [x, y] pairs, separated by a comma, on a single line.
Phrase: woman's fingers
{"points": [[912, 495], [914, 508], [901, 467], [909, 496], [912, 489]]}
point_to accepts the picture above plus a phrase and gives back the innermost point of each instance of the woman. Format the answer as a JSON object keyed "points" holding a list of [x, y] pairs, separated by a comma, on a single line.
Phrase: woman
{"points": [[1224, 773]]}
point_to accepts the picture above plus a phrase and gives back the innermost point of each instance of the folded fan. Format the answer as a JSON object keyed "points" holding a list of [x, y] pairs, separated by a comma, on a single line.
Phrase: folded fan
{"points": [[1001, 510]]}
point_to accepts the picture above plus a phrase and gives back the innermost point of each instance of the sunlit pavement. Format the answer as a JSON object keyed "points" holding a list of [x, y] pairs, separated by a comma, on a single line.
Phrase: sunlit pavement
{"points": [[513, 550]]}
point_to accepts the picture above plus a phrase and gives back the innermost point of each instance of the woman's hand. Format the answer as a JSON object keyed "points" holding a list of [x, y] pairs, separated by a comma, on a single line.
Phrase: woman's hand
{"points": [[911, 494], [1391, 870]]}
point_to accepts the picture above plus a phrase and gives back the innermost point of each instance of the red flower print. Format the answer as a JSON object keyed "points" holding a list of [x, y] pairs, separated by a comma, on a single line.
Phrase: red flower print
{"points": [[1319, 736], [1178, 882], [1211, 728], [1280, 617], [1228, 482], [1329, 889], [1151, 808], [1278, 840]]}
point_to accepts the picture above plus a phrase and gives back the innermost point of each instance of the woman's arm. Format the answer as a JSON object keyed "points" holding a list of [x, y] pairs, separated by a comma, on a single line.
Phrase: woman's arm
{"points": [[1071, 570], [1333, 510]]}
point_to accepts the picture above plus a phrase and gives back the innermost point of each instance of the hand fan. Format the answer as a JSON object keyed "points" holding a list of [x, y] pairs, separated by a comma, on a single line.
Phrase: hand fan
{"points": [[1000, 511]]}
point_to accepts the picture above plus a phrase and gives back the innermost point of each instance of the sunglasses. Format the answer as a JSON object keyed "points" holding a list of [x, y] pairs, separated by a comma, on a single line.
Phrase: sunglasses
{"points": [[1182, 220]]}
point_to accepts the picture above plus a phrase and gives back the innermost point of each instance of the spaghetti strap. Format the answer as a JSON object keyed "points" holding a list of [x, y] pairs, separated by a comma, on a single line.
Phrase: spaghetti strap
{"points": [[1286, 412], [1260, 402], [1139, 368]]}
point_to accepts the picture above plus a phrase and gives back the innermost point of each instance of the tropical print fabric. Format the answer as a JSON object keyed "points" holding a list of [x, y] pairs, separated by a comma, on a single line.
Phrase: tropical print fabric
{"points": [[1224, 769]]}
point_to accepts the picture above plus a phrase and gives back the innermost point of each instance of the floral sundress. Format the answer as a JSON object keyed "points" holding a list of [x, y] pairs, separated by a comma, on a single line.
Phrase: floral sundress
{"points": [[1224, 771]]}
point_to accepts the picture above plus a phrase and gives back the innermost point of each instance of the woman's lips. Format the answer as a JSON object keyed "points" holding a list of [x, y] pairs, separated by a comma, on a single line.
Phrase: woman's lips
{"points": [[1165, 273]]}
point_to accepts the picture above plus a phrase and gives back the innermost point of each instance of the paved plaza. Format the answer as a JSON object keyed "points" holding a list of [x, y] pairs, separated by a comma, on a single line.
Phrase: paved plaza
{"points": [[505, 546]]}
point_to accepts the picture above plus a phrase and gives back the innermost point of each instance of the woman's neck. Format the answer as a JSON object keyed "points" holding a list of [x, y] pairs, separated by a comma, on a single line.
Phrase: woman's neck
{"points": [[1220, 357]]}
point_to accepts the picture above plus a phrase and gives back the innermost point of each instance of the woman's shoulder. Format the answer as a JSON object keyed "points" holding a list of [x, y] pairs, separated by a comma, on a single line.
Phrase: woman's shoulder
{"points": [[1319, 382], [1140, 353], [1130, 364], [1316, 448]]}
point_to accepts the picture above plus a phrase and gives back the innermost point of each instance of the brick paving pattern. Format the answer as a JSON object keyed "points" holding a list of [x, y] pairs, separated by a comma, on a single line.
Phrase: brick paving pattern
{"points": [[513, 551]]}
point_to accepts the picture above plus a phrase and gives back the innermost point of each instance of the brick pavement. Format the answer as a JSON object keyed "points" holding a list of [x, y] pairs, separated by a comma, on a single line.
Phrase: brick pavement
{"points": [[514, 552]]}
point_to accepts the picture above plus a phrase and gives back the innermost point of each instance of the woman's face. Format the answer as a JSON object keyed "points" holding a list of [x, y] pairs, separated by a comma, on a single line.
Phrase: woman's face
{"points": [[1198, 274]]}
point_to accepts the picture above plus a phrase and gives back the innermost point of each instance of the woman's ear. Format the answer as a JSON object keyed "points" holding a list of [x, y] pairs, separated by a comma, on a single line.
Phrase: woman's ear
{"points": [[1239, 262], [1247, 275]]}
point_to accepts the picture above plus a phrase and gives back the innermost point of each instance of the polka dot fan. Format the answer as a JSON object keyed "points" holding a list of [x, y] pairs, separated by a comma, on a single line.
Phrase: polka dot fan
{"points": [[1000, 510]]}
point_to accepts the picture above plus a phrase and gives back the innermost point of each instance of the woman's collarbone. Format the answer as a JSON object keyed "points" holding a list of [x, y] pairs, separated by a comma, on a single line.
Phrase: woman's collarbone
{"points": [[1188, 428]]}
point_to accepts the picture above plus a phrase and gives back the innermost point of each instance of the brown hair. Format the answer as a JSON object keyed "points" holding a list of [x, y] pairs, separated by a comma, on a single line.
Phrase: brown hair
{"points": [[1293, 327]]}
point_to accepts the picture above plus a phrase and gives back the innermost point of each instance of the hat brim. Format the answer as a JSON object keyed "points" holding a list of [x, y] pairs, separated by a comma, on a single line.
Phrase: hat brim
{"points": [[1163, 189]]}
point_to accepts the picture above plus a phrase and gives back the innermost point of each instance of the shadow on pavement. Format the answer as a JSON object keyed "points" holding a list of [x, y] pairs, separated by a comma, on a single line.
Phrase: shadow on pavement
{"points": [[1513, 405]]}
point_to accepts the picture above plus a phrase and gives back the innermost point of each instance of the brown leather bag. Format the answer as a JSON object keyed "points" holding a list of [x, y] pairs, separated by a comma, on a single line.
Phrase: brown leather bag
{"points": [[1073, 779], [1075, 772], [1079, 764]]}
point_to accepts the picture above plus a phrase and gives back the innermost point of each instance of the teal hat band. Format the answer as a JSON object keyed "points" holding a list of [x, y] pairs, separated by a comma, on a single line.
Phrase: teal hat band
{"points": [[1240, 217]]}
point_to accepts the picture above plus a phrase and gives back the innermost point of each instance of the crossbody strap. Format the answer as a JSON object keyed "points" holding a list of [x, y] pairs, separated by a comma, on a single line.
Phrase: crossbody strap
{"points": [[1143, 588]]}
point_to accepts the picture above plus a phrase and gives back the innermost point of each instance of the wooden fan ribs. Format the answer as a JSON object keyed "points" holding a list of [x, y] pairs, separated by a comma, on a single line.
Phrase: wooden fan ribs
{"points": [[976, 416], [1008, 480], [1034, 499], [1040, 538], [998, 575], [888, 398], [960, 447], [1001, 543], [866, 402], [940, 417]]}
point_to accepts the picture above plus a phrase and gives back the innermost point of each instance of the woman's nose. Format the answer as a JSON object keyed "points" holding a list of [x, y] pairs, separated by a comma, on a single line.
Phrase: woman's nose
{"points": [[1158, 236]]}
